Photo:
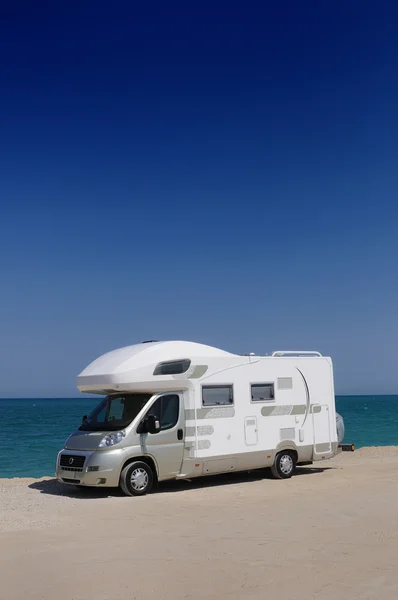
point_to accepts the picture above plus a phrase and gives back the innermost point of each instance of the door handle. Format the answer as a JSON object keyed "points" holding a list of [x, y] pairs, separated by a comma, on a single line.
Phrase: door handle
{"points": [[180, 434]]}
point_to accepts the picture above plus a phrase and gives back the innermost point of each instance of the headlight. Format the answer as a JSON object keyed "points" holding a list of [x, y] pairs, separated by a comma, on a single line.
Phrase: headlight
{"points": [[112, 439]]}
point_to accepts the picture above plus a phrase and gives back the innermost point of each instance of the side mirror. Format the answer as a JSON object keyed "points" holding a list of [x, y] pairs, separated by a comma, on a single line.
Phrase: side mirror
{"points": [[84, 418], [152, 424]]}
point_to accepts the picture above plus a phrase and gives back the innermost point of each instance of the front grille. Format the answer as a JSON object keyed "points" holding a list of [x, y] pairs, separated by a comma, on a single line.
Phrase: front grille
{"points": [[71, 462]]}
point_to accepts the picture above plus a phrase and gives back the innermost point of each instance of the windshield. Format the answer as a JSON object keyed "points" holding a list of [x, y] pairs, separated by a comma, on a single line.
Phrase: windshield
{"points": [[115, 412]]}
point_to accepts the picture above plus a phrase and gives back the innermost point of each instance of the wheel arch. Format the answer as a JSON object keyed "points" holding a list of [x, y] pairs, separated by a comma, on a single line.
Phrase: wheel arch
{"points": [[287, 445], [149, 460]]}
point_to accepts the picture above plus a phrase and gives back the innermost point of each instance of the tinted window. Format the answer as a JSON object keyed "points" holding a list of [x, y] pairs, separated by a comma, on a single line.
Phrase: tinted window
{"points": [[217, 395], [263, 392], [115, 412], [173, 367], [166, 409], [116, 409]]}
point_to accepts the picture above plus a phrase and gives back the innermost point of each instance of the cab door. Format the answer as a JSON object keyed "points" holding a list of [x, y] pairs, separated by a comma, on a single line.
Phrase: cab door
{"points": [[166, 446]]}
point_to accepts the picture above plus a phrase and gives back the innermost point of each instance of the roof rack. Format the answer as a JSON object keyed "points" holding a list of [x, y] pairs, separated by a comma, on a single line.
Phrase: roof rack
{"points": [[295, 353]]}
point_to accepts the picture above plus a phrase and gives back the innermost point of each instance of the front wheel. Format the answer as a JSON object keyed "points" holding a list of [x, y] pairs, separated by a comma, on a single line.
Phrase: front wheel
{"points": [[136, 479], [284, 465]]}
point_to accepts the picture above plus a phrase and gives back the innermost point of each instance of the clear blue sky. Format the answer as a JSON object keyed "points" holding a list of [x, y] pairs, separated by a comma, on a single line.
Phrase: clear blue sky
{"points": [[225, 173]]}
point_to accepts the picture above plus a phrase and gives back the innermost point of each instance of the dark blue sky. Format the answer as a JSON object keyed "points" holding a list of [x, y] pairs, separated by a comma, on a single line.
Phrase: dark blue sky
{"points": [[225, 173]]}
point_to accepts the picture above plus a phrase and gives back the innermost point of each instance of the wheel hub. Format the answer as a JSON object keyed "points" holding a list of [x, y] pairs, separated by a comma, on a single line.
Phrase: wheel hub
{"points": [[286, 464], [139, 479]]}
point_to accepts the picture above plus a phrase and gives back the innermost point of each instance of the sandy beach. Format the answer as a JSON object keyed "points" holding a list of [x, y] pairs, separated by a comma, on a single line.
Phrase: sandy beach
{"points": [[331, 532]]}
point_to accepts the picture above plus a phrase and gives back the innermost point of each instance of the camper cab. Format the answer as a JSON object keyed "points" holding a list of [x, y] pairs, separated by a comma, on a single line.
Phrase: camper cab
{"points": [[182, 410]]}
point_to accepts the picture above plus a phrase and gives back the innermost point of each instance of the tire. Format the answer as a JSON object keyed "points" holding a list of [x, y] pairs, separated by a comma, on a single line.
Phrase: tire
{"points": [[136, 479], [284, 465]]}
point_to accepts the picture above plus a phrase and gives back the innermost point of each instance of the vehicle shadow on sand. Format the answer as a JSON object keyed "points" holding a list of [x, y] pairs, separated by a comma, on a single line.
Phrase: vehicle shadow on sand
{"points": [[53, 487], [225, 479]]}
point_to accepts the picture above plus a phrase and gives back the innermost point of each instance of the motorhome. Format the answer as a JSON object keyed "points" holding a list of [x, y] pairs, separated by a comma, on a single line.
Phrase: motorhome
{"points": [[179, 410]]}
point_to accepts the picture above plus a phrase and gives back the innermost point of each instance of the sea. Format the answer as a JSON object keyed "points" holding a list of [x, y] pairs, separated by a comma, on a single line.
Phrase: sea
{"points": [[33, 430]]}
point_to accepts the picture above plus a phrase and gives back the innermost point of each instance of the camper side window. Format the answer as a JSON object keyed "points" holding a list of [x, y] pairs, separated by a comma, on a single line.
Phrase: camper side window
{"points": [[263, 392], [217, 395]]}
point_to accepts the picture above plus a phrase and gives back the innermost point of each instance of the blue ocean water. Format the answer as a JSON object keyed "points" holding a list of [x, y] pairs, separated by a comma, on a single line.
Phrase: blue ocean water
{"points": [[34, 430]]}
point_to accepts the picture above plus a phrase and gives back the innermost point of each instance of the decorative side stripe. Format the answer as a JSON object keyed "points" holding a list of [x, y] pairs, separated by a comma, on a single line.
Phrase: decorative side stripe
{"points": [[205, 430], [190, 414], [298, 409], [287, 409], [215, 413], [199, 371], [194, 372], [204, 444], [278, 411], [307, 393], [266, 411]]}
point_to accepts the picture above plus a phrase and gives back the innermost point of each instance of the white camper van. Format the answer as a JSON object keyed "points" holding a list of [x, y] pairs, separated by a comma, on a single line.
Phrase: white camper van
{"points": [[175, 410]]}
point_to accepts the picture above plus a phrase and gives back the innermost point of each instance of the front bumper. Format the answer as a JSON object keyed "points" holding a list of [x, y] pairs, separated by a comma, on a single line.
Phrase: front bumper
{"points": [[100, 468]]}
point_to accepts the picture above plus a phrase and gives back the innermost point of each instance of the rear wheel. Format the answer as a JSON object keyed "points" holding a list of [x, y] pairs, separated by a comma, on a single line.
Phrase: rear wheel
{"points": [[284, 465], [136, 479]]}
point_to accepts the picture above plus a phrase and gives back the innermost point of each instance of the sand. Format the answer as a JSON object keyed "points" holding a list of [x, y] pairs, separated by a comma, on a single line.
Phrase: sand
{"points": [[329, 533]]}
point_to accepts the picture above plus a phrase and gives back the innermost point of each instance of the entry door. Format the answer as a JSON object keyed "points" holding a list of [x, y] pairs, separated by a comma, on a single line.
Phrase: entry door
{"points": [[251, 435], [321, 421], [166, 446]]}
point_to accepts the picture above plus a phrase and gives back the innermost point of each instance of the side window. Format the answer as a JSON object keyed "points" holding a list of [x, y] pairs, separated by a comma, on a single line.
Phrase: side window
{"points": [[166, 409], [217, 395], [262, 392]]}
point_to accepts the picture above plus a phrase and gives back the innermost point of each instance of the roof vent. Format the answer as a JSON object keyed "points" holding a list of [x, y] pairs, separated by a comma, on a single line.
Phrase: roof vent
{"points": [[149, 341]]}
